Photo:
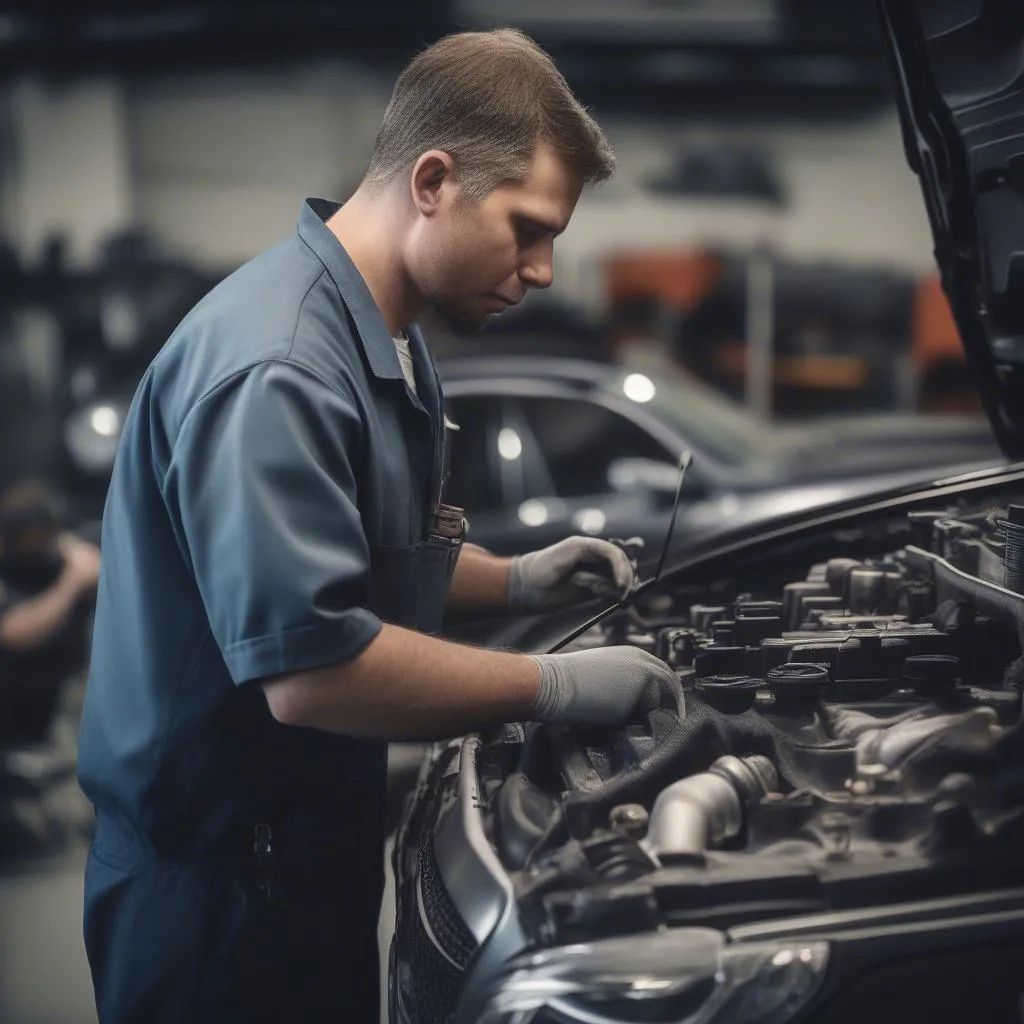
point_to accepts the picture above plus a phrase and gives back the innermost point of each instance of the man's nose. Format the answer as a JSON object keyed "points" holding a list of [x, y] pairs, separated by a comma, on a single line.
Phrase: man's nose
{"points": [[538, 269]]}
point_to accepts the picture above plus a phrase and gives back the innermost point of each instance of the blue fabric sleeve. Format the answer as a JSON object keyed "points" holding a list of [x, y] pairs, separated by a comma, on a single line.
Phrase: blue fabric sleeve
{"points": [[261, 489]]}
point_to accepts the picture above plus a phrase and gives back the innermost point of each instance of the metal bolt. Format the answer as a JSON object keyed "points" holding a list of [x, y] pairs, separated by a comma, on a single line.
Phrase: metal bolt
{"points": [[835, 827], [630, 819]]}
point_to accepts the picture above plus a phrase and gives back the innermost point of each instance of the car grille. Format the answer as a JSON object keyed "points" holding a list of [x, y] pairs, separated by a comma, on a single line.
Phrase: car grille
{"points": [[449, 929], [435, 977]]}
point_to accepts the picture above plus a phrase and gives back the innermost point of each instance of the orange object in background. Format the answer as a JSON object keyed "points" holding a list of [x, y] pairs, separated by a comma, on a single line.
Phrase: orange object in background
{"points": [[938, 355], [678, 278], [826, 372], [642, 285]]}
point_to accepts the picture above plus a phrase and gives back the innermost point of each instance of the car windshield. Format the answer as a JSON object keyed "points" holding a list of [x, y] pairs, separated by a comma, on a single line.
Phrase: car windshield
{"points": [[712, 424]]}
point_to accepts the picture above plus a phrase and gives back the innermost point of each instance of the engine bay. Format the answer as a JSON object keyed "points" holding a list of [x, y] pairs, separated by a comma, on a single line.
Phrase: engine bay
{"points": [[857, 723], [843, 738]]}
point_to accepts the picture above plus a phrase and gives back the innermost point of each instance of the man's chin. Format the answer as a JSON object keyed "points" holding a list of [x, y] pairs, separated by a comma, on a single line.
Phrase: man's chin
{"points": [[462, 323]]}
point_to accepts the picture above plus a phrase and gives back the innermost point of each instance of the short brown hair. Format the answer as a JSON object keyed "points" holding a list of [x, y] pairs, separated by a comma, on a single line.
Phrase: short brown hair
{"points": [[488, 99]]}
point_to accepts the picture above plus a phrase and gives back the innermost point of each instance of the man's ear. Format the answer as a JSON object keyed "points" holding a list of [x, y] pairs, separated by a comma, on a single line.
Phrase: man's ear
{"points": [[432, 174]]}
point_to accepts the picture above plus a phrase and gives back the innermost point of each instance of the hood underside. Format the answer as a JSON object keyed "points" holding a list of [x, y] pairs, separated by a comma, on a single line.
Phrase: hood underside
{"points": [[958, 67]]}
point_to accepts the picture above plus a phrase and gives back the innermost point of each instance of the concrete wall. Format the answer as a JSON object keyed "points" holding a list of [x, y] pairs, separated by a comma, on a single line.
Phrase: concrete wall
{"points": [[852, 197], [216, 166], [222, 162], [70, 171]]}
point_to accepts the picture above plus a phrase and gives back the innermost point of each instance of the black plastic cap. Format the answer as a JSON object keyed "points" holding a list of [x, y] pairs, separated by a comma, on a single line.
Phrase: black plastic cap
{"points": [[932, 673], [798, 679]]}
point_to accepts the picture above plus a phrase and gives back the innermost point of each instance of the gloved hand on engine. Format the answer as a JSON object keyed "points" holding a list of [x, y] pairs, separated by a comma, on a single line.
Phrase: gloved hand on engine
{"points": [[605, 687], [572, 571]]}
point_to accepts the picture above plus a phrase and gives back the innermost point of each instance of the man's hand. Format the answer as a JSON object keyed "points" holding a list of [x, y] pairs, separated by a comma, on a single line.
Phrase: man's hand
{"points": [[608, 687], [567, 573], [81, 562]]}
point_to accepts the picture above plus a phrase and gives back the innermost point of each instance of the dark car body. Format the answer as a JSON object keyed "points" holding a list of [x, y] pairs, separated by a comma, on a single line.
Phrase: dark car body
{"points": [[550, 447], [827, 824], [506, 851]]}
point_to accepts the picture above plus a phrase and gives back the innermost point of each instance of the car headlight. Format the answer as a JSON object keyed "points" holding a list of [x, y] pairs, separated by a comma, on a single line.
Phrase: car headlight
{"points": [[681, 976]]}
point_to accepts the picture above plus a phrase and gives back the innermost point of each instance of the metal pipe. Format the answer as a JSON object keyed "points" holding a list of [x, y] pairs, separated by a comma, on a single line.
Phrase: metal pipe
{"points": [[702, 811]]}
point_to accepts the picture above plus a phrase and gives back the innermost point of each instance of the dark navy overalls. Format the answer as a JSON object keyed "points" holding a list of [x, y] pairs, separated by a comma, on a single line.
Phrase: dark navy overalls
{"points": [[268, 510]]}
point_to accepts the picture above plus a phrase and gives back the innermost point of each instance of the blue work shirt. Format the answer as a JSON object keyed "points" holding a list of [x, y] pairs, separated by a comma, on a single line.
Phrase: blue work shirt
{"points": [[268, 502]]}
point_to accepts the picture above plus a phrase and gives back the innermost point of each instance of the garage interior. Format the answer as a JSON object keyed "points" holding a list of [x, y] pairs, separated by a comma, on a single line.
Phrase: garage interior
{"points": [[762, 243]]}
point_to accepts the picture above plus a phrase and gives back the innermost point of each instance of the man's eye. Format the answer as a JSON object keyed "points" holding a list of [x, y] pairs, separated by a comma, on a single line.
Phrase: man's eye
{"points": [[533, 232]]}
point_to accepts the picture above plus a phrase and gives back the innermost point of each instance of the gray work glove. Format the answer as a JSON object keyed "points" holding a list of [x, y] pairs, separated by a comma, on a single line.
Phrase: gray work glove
{"points": [[606, 686], [567, 573]]}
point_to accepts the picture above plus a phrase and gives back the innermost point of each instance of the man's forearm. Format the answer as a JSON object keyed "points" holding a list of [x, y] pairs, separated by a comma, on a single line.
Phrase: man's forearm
{"points": [[405, 685], [31, 623], [479, 585]]}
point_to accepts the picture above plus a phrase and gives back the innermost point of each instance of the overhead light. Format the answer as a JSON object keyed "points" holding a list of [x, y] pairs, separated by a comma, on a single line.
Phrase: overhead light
{"points": [[510, 446], [665, 22], [105, 421], [533, 513], [638, 387], [91, 436]]}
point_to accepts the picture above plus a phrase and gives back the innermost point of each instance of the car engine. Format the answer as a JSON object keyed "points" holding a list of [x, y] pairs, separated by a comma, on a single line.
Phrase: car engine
{"points": [[841, 771]]}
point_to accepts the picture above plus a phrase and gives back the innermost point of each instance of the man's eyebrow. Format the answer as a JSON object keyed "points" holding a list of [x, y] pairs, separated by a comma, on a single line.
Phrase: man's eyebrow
{"points": [[553, 227]]}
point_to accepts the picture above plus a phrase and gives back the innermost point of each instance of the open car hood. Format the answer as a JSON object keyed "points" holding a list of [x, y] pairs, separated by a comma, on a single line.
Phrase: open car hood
{"points": [[959, 75]]}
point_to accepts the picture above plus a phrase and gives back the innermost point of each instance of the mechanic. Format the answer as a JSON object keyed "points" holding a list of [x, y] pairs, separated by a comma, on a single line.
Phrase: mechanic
{"points": [[277, 556], [47, 580]]}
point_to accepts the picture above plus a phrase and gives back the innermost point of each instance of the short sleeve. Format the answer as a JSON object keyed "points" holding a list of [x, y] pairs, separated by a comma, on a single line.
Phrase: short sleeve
{"points": [[261, 490]]}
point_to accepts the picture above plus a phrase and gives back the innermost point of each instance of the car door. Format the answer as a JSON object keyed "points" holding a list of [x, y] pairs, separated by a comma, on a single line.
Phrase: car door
{"points": [[494, 466], [531, 469]]}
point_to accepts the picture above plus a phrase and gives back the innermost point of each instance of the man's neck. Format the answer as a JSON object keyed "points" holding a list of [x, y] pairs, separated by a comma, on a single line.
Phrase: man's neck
{"points": [[370, 228]]}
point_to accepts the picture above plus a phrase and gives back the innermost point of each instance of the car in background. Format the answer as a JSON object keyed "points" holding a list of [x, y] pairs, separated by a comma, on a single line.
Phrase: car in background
{"points": [[825, 821], [545, 448]]}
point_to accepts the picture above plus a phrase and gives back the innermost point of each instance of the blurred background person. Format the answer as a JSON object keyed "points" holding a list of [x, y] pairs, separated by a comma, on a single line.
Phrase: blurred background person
{"points": [[47, 583]]}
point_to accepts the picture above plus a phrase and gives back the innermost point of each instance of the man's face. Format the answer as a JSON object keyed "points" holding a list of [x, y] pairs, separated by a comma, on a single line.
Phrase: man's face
{"points": [[474, 259]]}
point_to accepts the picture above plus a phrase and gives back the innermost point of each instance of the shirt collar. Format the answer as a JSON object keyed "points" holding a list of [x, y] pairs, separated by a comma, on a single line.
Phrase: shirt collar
{"points": [[421, 353], [373, 332]]}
